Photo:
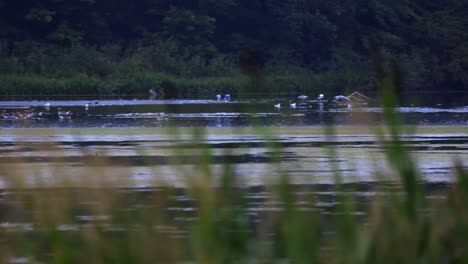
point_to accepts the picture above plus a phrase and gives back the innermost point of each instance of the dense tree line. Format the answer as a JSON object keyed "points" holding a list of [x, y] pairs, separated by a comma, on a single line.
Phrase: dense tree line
{"points": [[191, 39]]}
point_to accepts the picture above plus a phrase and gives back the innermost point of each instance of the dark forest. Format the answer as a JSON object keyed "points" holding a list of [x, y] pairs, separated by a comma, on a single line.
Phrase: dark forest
{"points": [[195, 48]]}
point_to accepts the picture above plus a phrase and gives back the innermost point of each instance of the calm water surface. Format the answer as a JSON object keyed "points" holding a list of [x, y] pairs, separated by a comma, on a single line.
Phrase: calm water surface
{"points": [[146, 158], [208, 113], [142, 155]]}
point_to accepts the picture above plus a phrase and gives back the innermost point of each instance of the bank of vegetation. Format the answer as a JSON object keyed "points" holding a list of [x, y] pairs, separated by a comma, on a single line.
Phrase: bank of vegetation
{"points": [[199, 48]]}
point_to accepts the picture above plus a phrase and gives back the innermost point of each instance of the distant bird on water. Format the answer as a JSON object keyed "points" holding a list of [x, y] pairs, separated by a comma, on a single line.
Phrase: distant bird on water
{"points": [[339, 99], [30, 113], [293, 105], [152, 94], [227, 98], [277, 106], [320, 97], [63, 114], [5, 115], [47, 106], [218, 97], [302, 97]]}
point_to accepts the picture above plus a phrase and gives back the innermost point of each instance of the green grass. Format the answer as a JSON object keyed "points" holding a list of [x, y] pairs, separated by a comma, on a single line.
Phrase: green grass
{"points": [[27, 86]]}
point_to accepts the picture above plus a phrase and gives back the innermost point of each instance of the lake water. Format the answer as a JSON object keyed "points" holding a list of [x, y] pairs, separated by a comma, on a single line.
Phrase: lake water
{"points": [[143, 145], [209, 113], [302, 143]]}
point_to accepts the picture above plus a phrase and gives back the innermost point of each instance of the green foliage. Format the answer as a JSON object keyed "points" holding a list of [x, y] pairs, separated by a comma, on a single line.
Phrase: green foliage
{"points": [[41, 15], [331, 39], [190, 29], [66, 35]]}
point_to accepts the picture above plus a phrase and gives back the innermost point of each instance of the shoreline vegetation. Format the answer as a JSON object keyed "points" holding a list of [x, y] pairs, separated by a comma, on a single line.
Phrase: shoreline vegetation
{"points": [[20, 87], [136, 85]]}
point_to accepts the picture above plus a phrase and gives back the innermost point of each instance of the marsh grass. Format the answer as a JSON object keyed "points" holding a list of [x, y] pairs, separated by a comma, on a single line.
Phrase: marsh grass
{"points": [[135, 84]]}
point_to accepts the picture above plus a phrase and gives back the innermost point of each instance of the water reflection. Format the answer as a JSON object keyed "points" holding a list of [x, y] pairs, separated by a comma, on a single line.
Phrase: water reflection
{"points": [[150, 157], [260, 202]]}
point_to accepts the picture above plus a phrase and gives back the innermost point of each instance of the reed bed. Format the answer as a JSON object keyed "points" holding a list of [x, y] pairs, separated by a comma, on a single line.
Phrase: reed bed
{"points": [[135, 84]]}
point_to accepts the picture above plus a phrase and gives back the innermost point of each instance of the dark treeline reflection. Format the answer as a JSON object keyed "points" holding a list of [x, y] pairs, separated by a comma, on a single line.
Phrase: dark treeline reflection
{"points": [[299, 46]]}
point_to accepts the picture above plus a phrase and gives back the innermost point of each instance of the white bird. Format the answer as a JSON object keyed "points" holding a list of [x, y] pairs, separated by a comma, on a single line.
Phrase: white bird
{"points": [[320, 97], [302, 97], [152, 94], [63, 114], [47, 106], [339, 99], [86, 107], [29, 114], [5, 115], [227, 98], [218, 97], [278, 105], [293, 105]]}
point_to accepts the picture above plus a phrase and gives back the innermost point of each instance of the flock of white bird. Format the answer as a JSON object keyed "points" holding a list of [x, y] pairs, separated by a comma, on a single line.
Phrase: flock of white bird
{"points": [[227, 98], [61, 114], [32, 112], [338, 100]]}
